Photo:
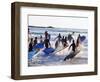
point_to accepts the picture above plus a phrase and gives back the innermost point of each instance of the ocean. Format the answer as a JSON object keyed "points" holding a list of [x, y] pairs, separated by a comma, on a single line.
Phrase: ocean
{"points": [[40, 58]]}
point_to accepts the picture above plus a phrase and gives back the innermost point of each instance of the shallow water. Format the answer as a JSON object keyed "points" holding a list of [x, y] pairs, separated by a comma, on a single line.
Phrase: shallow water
{"points": [[42, 59]]}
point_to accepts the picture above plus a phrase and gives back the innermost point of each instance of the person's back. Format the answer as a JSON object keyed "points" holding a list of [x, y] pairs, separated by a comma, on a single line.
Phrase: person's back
{"points": [[46, 42], [35, 41], [62, 41], [73, 46], [69, 37], [46, 34], [65, 42], [78, 40], [41, 40], [49, 36], [59, 37], [56, 44], [31, 45], [72, 54]]}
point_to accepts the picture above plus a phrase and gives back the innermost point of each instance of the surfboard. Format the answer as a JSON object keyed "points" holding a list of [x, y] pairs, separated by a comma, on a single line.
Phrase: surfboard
{"points": [[31, 54], [48, 50], [71, 55], [82, 38], [39, 45], [36, 50]]}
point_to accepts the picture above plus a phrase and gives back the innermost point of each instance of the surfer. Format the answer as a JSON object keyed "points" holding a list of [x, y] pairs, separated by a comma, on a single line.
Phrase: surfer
{"points": [[41, 40], [58, 40], [30, 45], [69, 37], [62, 40], [73, 46], [65, 42], [78, 41], [47, 39], [72, 54], [35, 41], [56, 44], [59, 37], [29, 35]]}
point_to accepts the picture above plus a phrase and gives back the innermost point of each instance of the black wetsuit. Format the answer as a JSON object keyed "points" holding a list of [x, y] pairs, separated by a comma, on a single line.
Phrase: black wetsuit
{"points": [[69, 37], [35, 42], [46, 42], [73, 46], [71, 55], [30, 47]]}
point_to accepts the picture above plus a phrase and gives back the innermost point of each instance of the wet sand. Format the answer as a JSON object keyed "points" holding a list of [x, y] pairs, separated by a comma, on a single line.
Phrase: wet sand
{"points": [[53, 60]]}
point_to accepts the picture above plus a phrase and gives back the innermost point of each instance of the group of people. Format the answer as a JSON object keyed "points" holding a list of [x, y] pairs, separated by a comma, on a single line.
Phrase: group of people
{"points": [[45, 41], [64, 40], [61, 39]]}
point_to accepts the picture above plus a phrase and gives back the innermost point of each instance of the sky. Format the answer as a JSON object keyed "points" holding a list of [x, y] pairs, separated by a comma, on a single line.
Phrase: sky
{"points": [[58, 21]]}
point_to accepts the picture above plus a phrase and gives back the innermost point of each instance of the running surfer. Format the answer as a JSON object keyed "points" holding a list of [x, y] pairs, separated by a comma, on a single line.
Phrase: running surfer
{"points": [[73, 46], [47, 40], [35, 41], [41, 39], [59, 39], [72, 54], [30, 45], [65, 43], [78, 41], [70, 38]]}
